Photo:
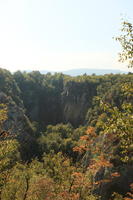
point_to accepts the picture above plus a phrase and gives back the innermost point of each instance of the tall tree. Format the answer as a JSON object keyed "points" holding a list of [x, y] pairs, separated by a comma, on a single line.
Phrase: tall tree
{"points": [[126, 41]]}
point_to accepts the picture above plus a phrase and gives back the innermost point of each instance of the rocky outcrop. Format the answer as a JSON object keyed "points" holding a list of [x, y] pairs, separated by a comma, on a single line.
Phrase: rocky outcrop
{"points": [[116, 185], [76, 100]]}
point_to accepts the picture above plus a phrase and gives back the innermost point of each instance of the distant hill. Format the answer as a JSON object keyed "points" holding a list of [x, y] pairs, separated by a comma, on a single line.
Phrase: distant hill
{"points": [[77, 72]]}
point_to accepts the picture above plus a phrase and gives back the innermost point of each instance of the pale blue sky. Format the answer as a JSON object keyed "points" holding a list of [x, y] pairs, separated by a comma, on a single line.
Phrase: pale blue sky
{"points": [[61, 34]]}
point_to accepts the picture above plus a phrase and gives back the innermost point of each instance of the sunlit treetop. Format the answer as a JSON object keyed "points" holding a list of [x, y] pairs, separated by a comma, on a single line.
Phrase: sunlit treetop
{"points": [[126, 41]]}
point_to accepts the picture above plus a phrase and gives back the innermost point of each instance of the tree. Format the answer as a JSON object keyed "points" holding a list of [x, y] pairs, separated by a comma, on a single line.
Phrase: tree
{"points": [[8, 150], [126, 41]]}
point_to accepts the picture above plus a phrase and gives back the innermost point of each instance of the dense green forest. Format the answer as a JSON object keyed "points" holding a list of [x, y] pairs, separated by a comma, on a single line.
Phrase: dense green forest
{"points": [[64, 137]]}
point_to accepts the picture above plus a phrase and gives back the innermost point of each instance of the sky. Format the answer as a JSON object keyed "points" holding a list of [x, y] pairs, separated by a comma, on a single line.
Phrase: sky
{"points": [[58, 35]]}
